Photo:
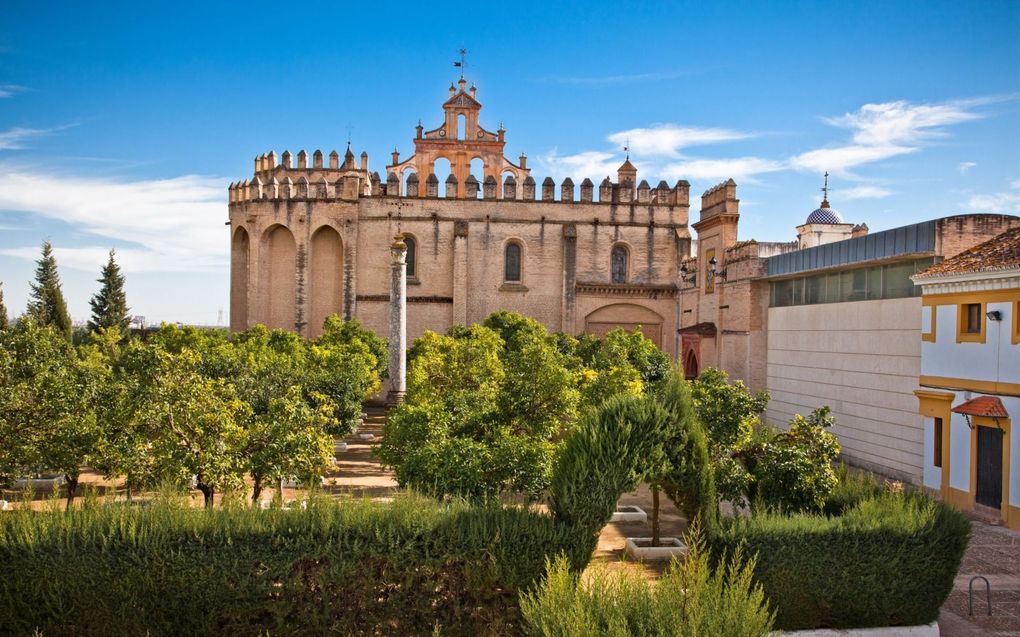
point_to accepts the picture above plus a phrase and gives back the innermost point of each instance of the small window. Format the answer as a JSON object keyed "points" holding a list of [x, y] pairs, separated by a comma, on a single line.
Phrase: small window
{"points": [[973, 318], [937, 457], [619, 264], [512, 263], [412, 257]]}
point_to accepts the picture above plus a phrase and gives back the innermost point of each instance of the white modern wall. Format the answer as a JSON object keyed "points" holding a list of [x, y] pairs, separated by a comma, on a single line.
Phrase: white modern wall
{"points": [[863, 360]]}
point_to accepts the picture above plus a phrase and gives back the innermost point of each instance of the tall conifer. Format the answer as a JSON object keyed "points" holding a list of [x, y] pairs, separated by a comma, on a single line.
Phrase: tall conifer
{"points": [[109, 305], [4, 321], [46, 303]]}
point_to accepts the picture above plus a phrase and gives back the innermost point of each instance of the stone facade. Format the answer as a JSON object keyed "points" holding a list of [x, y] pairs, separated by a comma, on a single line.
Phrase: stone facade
{"points": [[313, 238]]}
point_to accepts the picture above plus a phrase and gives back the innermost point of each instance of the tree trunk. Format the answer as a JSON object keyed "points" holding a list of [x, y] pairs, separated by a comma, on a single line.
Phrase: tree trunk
{"points": [[72, 486], [207, 493], [655, 516], [256, 489]]}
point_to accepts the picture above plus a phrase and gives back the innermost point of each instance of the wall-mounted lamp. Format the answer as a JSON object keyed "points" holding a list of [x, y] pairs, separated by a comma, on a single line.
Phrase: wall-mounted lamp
{"points": [[994, 315], [712, 264], [685, 274]]}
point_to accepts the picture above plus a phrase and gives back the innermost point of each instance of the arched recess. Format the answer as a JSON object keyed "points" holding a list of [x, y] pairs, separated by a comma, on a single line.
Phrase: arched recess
{"points": [[619, 263], [628, 316], [278, 277], [326, 289], [239, 254]]}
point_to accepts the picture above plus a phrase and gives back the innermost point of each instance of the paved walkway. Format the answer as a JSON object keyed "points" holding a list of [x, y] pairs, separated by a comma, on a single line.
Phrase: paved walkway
{"points": [[994, 552]]}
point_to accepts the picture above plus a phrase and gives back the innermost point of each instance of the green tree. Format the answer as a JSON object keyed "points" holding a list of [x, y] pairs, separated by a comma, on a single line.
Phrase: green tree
{"points": [[729, 413], [109, 304], [195, 424], [289, 440], [793, 470], [46, 302], [4, 320], [49, 411]]}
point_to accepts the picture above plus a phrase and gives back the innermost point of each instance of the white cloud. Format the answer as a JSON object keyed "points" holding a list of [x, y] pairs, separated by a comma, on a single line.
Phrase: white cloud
{"points": [[964, 166], [1015, 183], [1000, 202], [667, 140], [12, 139], [176, 224], [861, 192], [10, 90], [592, 164], [882, 131], [739, 168]]}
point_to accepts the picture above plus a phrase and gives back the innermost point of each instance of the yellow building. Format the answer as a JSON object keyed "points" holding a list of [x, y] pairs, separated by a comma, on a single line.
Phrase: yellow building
{"points": [[970, 378]]}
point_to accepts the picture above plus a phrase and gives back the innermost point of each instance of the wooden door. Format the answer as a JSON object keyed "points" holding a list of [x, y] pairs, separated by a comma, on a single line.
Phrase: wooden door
{"points": [[989, 467]]}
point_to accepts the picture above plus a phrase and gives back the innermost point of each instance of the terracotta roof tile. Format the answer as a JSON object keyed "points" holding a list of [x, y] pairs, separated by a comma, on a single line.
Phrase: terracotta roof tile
{"points": [[989, 406], [999, 253]]}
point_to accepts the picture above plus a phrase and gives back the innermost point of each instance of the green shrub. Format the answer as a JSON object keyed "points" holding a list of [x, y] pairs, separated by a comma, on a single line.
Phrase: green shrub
{"points": [[356, 568], [888, 560], [689, 600], [793, 469], [609, 454]]}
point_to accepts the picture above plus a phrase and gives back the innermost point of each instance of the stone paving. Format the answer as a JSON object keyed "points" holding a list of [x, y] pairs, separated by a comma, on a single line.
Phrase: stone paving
{"points": [[994, 552]]}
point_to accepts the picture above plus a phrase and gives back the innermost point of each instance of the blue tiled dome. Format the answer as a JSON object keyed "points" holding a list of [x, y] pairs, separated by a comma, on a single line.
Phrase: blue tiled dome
{"points": [[825, 214]]}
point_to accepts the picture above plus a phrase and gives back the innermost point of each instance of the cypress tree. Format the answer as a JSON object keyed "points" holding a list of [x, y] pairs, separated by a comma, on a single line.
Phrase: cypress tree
{"points": [[4, 321], [109, 305], [46, 303]]}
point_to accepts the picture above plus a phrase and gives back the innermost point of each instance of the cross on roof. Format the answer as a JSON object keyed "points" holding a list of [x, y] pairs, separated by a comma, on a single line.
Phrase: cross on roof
{"points": [[349, 129], [825, 188], [463, 61]]}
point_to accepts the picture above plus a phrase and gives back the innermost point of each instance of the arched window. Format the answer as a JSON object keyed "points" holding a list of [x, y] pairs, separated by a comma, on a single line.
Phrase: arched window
{"points": [[412, 257], [619, 264], [691, 365], [512, 263]]}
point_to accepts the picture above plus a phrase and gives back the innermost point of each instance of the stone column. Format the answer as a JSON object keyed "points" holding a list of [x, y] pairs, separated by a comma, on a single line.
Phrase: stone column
{"points": [[398, 320], [460, 272]]}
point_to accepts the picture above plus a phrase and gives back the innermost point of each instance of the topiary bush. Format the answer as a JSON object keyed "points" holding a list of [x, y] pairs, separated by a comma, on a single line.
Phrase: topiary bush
{"points": [[886, 560]]}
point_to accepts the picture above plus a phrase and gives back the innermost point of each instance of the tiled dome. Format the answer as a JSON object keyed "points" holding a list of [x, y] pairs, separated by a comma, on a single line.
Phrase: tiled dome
{"points": [[825, 214]]}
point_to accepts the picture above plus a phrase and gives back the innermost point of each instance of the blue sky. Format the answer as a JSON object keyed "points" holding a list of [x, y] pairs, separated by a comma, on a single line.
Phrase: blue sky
{"points": [[122, 123]]}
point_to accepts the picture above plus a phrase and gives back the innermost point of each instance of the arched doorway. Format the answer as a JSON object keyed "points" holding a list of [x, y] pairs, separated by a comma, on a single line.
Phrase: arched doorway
{"points": [[691, 365]]}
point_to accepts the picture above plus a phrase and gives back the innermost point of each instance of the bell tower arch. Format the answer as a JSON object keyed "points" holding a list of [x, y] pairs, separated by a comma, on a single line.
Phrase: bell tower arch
{"points": [[460, 112]]}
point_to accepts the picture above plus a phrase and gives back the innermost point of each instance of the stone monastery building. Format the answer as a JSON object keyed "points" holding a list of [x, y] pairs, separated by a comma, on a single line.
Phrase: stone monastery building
{"points": [[831, 318]]}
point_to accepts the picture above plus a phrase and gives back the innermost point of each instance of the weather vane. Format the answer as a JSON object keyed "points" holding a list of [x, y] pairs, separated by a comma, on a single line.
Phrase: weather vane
{"points": [[626, 147], [463, 61]]}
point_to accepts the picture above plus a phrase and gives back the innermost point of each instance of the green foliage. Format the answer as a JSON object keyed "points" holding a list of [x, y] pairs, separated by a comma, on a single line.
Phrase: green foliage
{"points": [[109, 304], [48, 406], [622, 362], [729, 413], [611, 452], [46, 303], [793, 470], [690, 599], [887, 560], [484, 409], [411, 567], [687, 477], [5, 321]]}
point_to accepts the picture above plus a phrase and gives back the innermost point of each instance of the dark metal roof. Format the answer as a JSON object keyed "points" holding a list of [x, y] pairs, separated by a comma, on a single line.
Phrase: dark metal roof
{"points": [[913, 239]]}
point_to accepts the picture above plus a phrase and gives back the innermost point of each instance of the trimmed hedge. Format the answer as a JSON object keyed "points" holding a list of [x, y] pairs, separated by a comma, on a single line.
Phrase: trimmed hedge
{"points": [[887, 560], [357, 568]]}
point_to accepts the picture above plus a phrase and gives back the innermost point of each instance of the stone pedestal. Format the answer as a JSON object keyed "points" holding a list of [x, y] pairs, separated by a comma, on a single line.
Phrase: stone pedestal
{"points": [[398, 321]]}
